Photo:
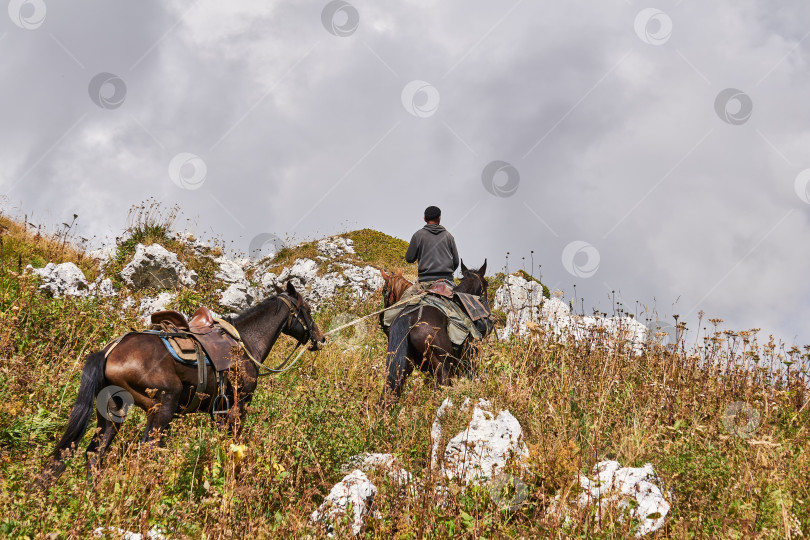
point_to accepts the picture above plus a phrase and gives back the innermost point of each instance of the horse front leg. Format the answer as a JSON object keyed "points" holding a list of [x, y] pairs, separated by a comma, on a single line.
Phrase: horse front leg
{"points": [[160, 416]]}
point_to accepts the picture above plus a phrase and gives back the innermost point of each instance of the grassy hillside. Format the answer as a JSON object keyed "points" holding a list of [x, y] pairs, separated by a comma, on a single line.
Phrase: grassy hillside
{"points": [[371, 247], [578, 404]]}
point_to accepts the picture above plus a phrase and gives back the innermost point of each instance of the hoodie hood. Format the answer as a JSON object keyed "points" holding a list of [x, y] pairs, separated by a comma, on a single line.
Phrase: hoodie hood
{"points": [[434, 228]]}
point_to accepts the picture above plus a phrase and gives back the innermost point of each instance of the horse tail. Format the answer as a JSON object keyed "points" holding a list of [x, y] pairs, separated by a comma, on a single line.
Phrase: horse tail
{"points": [[92, 378], [397, 358]]}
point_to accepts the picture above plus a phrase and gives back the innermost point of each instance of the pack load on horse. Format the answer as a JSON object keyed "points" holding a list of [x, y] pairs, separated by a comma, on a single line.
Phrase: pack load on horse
{"points": [[444, 317], [177, 366], [468, 315]]}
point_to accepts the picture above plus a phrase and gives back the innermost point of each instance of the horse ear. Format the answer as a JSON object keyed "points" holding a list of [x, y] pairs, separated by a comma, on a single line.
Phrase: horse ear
{"points": [[278, 289], [483, 270], [291, 289], [384, 275], [464, 268]]}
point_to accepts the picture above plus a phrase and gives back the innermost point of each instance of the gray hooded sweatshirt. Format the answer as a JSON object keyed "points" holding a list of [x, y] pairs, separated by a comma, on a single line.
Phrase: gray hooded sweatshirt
{"points": [[435, 249]]}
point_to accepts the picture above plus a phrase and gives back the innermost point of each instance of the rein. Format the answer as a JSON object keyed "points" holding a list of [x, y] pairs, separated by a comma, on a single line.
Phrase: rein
{"points": [[285, 365]]}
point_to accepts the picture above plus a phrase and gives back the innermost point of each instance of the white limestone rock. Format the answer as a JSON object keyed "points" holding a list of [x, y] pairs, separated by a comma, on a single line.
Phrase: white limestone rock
{"points": [[323, 288], [200, 247], [229, 271], [527, 312], [103, 287], [636, 488], [615, 330], [555, 315], [480, 452], [320, 288], [120, 534], [356, 490], [151, 304], [335, 246], [520, 299], [436, 430], [268, 282], [65, 279], [364, 281], [238, 296], [155, 266], [103, 254], [385, 463], [302, 272]]}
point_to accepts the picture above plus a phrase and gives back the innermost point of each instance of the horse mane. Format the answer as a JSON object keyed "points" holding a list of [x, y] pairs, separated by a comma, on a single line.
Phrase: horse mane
{"points": [[255, 310]]}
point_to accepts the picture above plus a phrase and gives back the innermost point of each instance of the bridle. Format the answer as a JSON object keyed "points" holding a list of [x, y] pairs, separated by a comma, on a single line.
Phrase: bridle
{"points": [[295, 314], [388, 290]]}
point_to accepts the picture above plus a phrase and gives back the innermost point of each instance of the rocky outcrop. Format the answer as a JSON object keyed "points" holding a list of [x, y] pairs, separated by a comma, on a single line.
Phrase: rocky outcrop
{"points": [[521, 300], [303, 272], [229, 271], [335, 246], [364, 281], [238, 297], [319, 287], [65, 279], [155, 266], [239, 294], [151, 304], [634, 490], [355, 491], [481, 451], [528, 312], [153, 533], [387, 464], [103, 287]]}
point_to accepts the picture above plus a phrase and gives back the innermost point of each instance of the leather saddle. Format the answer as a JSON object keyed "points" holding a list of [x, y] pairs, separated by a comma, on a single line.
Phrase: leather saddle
{"points": [[441, 288], [202, 318], [217, 343]]}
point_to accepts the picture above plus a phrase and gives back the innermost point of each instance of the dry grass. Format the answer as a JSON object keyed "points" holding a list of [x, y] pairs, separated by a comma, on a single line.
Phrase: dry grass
{"points": [[578, 404]]}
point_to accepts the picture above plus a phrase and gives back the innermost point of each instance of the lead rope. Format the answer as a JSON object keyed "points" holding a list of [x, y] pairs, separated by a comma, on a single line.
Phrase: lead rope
{"points": [[401, 302], [284, 366]]}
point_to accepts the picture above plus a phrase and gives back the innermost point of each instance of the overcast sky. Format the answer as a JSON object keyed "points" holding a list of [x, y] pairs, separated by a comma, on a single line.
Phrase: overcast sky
{"points": [[655, 149]]}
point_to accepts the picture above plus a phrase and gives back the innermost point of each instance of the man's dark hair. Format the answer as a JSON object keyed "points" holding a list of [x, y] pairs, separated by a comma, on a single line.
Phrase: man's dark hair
{"points": [[432, 212]]}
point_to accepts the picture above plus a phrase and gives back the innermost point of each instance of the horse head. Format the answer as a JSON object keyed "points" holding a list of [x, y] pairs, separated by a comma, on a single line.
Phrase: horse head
{"points": [[473, 281], [302, 326], [394, 284]]}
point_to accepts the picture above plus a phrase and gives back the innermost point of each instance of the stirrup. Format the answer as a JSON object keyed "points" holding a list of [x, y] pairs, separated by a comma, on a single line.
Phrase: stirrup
{"points": [[218, 401], [222, 398]]}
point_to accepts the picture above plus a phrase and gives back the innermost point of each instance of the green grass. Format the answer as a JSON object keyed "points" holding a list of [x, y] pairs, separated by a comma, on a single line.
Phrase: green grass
{"points": [[381, 250], [577, 404]]}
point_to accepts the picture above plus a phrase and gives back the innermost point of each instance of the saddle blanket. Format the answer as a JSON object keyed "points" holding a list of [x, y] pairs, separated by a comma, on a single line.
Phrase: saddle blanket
{"points": [[461, 325], [177, 357]]}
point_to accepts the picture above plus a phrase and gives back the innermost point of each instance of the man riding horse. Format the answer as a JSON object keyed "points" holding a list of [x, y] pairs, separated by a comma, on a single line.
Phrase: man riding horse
{"points": [[434, 328], [435, 250]]}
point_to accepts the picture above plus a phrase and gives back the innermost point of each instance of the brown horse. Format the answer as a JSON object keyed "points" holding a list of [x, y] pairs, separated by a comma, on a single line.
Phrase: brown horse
{"points": [[163, 387], [419, 338]]}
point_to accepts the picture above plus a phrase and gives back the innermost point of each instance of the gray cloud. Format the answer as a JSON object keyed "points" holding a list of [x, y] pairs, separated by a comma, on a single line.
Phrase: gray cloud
{"points": [[304, 133]]}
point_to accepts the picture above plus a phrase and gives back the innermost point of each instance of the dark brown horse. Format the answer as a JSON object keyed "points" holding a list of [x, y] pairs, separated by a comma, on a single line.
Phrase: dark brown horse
{"points": [[422, 340], [163, 387]]}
